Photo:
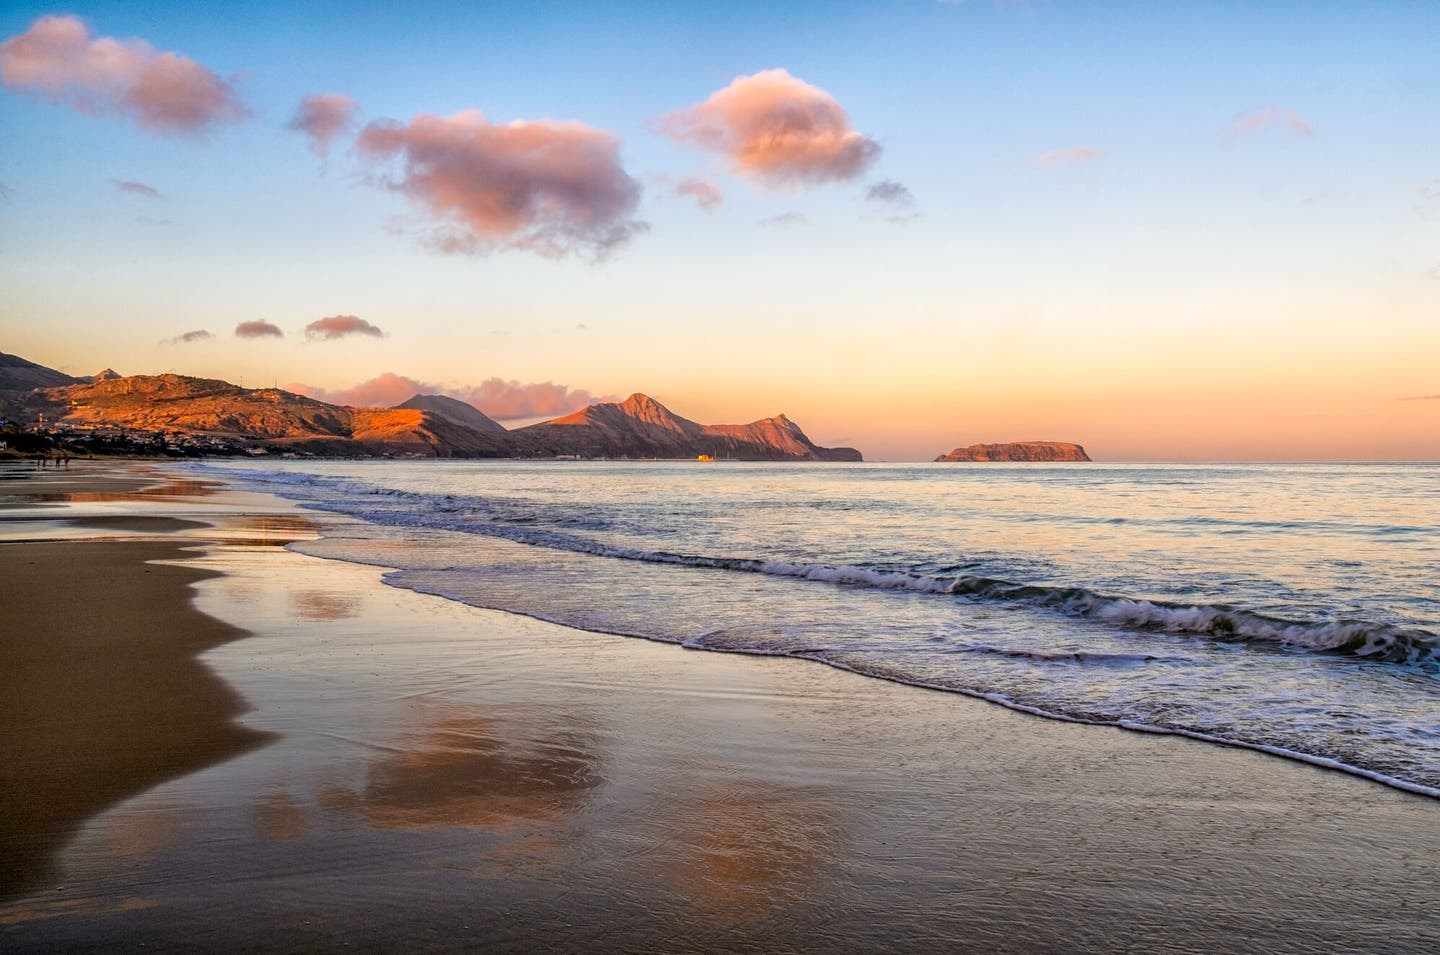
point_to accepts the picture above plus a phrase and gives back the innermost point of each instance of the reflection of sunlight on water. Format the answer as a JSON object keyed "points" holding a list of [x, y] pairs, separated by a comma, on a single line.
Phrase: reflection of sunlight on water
{"points": [[465, 768], [748, 849]]}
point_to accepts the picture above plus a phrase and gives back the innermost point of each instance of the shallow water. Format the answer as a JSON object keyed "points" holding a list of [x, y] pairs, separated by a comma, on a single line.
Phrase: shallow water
{"points": [[443, 778], [1291, 608]]}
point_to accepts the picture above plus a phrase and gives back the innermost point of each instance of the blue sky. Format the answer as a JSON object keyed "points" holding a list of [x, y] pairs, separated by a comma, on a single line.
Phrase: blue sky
{"points": [[1186, 276]]}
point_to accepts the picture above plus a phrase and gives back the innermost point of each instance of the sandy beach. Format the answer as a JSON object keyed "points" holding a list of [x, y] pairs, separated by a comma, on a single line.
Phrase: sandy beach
{"points": [[212, 742]]}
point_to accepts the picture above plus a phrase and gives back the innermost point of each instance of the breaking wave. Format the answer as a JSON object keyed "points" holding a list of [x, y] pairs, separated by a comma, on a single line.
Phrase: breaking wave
{"points": [[1367, 640]]}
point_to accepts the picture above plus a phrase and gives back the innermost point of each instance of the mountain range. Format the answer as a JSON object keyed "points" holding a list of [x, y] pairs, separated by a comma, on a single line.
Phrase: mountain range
{"points": [[431, 425]]}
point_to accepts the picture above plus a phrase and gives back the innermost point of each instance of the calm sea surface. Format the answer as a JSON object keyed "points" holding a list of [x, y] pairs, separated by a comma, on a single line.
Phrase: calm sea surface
{"points": [[1294, 608]]}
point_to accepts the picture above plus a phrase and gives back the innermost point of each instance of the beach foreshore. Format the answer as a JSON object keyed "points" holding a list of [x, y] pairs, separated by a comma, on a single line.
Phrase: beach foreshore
{"points": [[213, 742]]}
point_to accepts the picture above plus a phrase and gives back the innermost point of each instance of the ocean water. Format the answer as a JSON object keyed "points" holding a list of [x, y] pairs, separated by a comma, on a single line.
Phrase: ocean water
{"points": [[1293, 609]]}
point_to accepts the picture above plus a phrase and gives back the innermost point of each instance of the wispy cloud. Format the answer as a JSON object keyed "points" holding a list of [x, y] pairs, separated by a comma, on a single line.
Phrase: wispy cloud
{"points": [[136, 188], [1070, 156], [1420, 398], [891, 193], [500, 399], [777, 129], [554, 188], [341, 326], [162, 92], [187, 338], [705, 195], [1427, 200], [259, 328], [784, 219], [1268, 119], [322, 118]]}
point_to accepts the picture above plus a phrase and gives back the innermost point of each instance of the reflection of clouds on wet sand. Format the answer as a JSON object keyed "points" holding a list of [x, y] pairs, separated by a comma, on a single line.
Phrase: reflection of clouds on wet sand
{"points": [[144, 832], [319, 605], [49, 908], [280, 817], [171, 487], [467, 768], [269, 529], [744, 849]]}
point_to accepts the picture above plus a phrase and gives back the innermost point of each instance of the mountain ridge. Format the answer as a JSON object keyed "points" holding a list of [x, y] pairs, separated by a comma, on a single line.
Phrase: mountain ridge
{"points": [[460, 412], [220, 412], [641, 427]]}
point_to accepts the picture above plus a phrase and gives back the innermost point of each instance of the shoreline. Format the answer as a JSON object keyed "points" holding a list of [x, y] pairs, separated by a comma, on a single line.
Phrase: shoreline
{"points": [[528, 782]]}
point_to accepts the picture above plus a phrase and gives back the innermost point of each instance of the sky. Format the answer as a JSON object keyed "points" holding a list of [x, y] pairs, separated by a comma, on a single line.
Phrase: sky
{"points": [[1201, 231]]}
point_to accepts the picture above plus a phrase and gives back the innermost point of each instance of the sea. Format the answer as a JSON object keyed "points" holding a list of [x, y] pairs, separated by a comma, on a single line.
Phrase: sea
{"points": [[1288, 608]]}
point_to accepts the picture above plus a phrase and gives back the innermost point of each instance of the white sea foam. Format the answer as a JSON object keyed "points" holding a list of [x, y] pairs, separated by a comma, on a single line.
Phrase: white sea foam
{"points": [[1352, 689]]}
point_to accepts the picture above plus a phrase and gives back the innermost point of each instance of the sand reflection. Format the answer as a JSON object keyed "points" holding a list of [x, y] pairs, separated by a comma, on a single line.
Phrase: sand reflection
{"points": [[144, 832], [468, 768], [168, 489], [747, 849], [281, 818]]}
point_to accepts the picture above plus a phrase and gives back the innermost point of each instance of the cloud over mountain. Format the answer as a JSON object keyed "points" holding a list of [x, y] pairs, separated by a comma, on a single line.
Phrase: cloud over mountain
{"points": [[498, 398], [259, 328], [322, 118], [777, 129], [341, 326], [161, 91], [553, 188]]}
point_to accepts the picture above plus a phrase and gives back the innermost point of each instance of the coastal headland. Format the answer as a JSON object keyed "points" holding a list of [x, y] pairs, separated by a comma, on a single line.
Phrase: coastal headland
{"points": [[216, 742]]}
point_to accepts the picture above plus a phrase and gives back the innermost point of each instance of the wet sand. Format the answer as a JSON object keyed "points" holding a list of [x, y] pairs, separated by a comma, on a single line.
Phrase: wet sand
{"points": [[103, 695], [421, 774]]}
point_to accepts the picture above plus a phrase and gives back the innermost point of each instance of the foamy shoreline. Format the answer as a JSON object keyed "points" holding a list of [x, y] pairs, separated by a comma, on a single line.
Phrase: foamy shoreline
{"points": [[444, 777]]}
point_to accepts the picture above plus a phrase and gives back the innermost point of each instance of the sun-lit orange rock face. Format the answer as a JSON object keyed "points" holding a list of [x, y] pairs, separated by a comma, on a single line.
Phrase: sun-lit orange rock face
{"points": [[430, 425], [641, 427], [1019, 451], [205, 406]]}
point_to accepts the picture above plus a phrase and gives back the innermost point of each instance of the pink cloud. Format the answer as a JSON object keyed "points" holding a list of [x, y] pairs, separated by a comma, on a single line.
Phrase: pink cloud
{"points": [[258, 329], [1071, 156], [384, 391], [322, 118], [500, 399], [548, 187], [1260, 120], [508, 400], [164, 92], [777, 129], [705, 195], [187, 338], [341, 326]]}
